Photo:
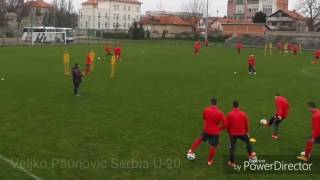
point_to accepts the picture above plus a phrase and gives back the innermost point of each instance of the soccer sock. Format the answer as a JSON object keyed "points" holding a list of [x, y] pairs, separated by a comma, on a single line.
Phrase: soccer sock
{"points": [[271, 120], [212, 153], [308, 149], [196, 144], [276, 128]]}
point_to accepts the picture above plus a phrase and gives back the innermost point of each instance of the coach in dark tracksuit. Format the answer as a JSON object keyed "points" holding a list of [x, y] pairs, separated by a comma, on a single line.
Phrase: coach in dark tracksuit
{"points": [[77, 79], [238, 127]]}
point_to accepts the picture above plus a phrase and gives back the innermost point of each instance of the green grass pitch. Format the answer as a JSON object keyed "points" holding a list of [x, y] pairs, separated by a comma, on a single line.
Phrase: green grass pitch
{"points": [[150, 113]]}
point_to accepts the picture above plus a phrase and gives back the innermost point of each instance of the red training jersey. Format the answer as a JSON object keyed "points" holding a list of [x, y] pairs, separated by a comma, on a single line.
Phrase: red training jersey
{"points": [[282, 106], [316, 123], [107, 49], [117, 50], [317, 53], [252, 61], [89, 60], [239, 45], [237, 122], [213, 120], [197, 45], [206, 42]]}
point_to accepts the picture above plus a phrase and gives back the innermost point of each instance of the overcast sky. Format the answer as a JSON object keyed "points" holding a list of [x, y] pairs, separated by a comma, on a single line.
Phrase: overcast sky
{"points": [[175, 5]]}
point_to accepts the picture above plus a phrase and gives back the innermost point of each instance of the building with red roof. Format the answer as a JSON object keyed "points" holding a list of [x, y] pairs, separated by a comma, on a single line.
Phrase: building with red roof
{"points": [[168, 25], [285, 20]]}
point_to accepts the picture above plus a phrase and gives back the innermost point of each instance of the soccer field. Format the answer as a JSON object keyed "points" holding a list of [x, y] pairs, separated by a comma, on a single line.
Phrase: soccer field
{"points": [[141, 124]]}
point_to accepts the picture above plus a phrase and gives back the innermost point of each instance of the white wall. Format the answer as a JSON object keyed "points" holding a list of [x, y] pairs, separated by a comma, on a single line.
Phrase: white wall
{"points": [[109, 15]]}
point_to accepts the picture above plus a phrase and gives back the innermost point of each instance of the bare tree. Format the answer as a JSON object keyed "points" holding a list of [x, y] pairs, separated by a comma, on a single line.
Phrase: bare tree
{"points": [[311, 9], [195, 8], [61, 15], [160, 6], [3, 11]]}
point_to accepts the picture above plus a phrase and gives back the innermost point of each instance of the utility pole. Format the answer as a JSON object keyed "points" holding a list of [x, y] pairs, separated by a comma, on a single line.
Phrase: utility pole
{"points": [[207, 20]]}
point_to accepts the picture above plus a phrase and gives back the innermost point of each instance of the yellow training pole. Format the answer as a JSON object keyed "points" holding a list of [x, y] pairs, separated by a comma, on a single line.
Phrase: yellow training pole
{"points": [[66, 63], [113, 66]]}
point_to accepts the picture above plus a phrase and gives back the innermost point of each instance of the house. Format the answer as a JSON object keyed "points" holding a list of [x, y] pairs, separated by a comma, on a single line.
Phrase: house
{"points": [[165, 26], [39, 5], [194, 19], [109, 14], [38, 9], [216, 23], [285, 20], [246, 9]]}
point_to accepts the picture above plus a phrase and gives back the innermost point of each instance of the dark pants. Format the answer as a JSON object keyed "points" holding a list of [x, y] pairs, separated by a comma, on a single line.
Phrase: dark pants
{"points": [[251, 69], [76, 85], [213, 140], [276, 121], [233, 143]]}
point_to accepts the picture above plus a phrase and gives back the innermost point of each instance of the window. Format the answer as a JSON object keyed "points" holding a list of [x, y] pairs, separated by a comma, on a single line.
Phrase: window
{"points": [[138, 9], [129, 8], [128, 17], [124, 25], [99, 15], [124, 8], [86, 24], [105, 25], [106, 15], [124, 17], [98, 25], [128, 25]]}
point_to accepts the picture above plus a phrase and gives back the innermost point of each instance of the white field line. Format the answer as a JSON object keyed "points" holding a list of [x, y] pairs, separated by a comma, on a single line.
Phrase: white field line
{"points": [[307, 72], [19, 168]]}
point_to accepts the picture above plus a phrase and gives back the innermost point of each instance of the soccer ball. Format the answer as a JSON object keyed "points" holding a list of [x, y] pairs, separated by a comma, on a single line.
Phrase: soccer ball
{"points": [[99, 58], [263, 122], [191, 156], [235, 73], [302, 153]]}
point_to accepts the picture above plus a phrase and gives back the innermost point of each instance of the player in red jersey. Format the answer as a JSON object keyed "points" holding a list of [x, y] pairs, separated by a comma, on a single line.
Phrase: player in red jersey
{"points": [[214, 122], [316, 57], [315, 136], [280, 47], [237, 125], [108, 50], [206, 42], [118, 52], [239, 46], [89, 61], [282, 107], [197, 47], [295, 49], [252, 65]]}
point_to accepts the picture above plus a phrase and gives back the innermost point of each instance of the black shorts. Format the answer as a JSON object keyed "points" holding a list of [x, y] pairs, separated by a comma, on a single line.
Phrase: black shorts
{"points": [[317, 140], [213, 140]]}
